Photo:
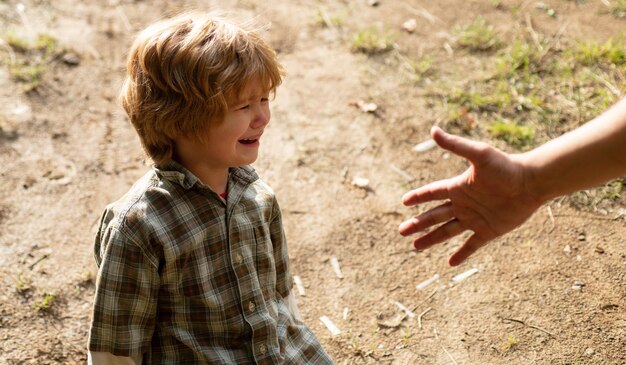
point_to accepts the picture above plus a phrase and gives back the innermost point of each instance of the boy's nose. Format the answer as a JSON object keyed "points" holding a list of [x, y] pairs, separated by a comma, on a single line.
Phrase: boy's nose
{"points": [[261, 118]]}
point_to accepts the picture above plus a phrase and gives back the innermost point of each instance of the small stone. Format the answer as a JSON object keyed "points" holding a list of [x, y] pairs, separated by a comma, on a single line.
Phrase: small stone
{"points": [[582, 237], [567, 249], [589, 351], [410, 25], [599, 249], [373, 2], [71, 59], [578, 285]]}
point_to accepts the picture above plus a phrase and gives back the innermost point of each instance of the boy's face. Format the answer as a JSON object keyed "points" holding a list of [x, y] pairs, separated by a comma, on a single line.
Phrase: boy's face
{"points": [[236, 140]]}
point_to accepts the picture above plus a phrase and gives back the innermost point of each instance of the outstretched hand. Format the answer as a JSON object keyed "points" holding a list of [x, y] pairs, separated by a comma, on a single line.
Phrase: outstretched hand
{"points": [[490, 198]]}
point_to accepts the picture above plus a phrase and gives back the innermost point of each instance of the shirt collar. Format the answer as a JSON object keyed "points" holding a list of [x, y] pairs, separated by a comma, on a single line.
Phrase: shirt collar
{"points": [[176, 173]]}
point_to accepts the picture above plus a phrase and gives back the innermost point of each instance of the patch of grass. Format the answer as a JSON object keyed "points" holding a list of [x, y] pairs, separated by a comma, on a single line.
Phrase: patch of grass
{"points": [[416, 69], [520, 57], [478, 36], [27, 74], [483, 100], [47, 43], [516, 135], [593, 53], [549, 10], [23, 283], [510, 343], [371, 41], [16, 42], [46, 302], [614, 189], [618, 9], [31, 59], [496, 4], [324, 20]]}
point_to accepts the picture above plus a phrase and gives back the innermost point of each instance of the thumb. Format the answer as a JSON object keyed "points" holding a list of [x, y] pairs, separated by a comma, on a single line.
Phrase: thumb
{"points": [[460, 146]]}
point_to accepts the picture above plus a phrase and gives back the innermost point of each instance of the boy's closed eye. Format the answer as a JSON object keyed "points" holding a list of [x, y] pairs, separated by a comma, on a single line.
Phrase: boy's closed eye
{"points": [[244, 106]]}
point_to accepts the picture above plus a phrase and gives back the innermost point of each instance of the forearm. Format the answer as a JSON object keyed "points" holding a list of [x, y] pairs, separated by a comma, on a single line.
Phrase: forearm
{"points": [[107, 358], [587, 156]]}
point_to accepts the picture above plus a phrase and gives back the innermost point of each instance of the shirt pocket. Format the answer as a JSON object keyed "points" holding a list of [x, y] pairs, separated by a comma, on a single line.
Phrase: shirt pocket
{"points": [[265, 263]]}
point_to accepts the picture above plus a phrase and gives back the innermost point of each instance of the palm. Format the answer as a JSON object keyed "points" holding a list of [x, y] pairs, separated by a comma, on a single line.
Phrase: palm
{"points": [[487, 199]]}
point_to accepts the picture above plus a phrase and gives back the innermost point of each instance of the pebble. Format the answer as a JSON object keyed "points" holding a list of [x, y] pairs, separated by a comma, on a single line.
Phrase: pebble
{"points": [[578, 285], [71, 59], [410, 25]]}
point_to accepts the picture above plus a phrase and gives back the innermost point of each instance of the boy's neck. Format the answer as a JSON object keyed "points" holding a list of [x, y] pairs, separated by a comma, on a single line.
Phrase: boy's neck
{"points": [[216, 179]]}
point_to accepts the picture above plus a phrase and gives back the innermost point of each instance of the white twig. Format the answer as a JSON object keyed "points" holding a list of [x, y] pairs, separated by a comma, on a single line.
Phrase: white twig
{"points": [[612, 88], [551, 216], [444, 349], [419, 318], [464, 275], [6, 46], [125, 21], [533, 34], [424, 14], [401, 172], [298, 281], [335, 264], [21, 11], [406, 310], [334, 330], [427, 282]]}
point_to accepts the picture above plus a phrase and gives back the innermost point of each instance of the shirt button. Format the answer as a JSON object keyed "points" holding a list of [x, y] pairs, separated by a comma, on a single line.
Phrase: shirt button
{"points": [[262, 349], [239, 259], [251, 306]]}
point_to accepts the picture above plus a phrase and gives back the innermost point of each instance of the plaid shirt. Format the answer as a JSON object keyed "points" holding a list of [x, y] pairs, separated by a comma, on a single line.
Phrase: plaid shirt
{"points": [[188, 278]]}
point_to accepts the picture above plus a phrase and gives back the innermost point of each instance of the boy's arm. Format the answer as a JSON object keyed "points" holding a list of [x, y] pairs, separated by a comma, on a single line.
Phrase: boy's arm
{"points": [[124, 311], [107, 358], [284, 281]]}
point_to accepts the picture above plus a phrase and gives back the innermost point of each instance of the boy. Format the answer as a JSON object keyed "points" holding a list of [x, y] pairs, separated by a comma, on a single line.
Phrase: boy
{"points": [[193, 265]]}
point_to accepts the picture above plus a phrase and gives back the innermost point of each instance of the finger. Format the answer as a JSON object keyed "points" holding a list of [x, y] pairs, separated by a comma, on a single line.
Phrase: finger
{"points": [[441, 234], [466, 148], [468, 249], [438, 190], [439, 214]]}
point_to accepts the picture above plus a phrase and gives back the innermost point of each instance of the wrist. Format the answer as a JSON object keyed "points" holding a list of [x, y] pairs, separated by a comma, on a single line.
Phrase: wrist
{"points": [[535, 184]]}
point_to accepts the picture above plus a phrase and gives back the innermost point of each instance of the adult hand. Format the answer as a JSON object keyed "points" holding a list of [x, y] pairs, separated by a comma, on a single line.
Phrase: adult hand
{"points": [[490, 198]]}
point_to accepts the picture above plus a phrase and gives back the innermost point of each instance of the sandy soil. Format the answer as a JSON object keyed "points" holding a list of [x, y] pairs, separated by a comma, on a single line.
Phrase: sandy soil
{"points": [[66, 150]]}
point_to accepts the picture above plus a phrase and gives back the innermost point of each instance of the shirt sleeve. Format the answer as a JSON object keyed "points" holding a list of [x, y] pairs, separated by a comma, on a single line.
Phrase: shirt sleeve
{"points": [[107, 358], [124, 311], [281, 257]]}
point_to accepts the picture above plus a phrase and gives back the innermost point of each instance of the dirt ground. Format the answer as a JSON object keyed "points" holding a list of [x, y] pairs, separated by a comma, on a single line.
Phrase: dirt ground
{"points": [[66, 150]]}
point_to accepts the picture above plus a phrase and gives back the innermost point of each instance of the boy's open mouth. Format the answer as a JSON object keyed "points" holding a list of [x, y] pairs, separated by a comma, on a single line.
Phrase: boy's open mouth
{"points": [[248, 141]]}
